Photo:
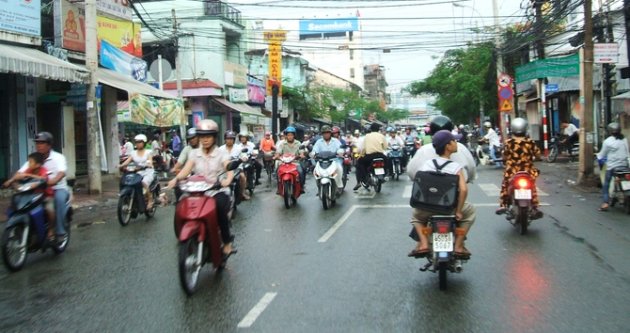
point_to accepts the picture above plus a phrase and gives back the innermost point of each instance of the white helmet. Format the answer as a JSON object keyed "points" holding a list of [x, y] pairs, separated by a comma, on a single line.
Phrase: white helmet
{"points": [[243, 133], [461, 126], [487, 124], [140, 137]]}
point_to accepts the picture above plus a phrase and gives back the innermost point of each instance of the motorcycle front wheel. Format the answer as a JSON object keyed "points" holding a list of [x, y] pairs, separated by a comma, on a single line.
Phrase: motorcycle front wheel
{"points": [[326, 203], [14, 249], [288, 190], [553, 154], [125, 207], [188, 267], [397, 171]]}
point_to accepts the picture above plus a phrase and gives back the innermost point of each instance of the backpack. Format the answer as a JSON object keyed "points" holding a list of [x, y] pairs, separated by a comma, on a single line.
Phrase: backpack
{"points": [[435, 191]]}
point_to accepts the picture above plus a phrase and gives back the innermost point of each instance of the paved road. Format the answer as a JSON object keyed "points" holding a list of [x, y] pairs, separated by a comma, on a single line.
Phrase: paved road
{"points": [[341, 270]]}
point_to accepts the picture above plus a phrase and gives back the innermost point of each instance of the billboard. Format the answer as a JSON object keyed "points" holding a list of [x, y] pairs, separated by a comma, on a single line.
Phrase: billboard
{"points": [[70, 29], [113, 58], [21, 16], [326, 26]]}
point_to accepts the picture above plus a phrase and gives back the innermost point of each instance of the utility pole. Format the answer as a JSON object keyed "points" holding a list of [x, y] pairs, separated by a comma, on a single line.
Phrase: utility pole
{"points": [[93, 132], [542, 94], [500, 68], [585, 171], [178, 72]]}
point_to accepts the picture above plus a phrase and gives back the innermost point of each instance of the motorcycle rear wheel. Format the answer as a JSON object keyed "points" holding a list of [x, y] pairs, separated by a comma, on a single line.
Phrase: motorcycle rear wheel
{"points": [[125, 208], [442, 274], [288, 190], [522, 220], [377, 186], [188, 268], [13, 252]]}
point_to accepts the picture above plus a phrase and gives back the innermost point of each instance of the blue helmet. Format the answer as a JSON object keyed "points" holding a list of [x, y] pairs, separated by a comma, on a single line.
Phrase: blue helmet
{"points": [[289, 129]]}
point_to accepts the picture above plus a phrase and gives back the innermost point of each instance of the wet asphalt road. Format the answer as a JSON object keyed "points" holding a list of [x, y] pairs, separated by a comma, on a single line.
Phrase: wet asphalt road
{"points": [[293, 273]]}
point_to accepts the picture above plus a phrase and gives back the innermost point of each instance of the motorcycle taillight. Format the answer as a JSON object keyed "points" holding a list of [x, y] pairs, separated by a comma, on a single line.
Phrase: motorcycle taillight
{"points": [[522, 183], [378, 164], [442, 227], [627, 176]]}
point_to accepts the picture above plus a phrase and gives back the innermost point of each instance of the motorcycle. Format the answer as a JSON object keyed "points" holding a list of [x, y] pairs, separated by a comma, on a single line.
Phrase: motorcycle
{"points": [[235, 191], [131, 199], [325, 169], [27, 228], [376, 174], [441, 258], [307, 163], [249, 167], [621, 188], [356, 154], [268, 164], [197, 229], [409, 150], [347, 164], [521, 186], [289, 186], [395, 157], [556, 147]]}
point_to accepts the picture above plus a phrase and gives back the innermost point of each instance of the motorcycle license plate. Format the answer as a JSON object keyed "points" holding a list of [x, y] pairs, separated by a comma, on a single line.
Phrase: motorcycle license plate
{"points": [[625, 185], [442, 242], [379, 171], [522, 194]]}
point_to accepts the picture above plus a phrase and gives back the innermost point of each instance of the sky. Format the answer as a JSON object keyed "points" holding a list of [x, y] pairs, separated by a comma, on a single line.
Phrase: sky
{"points": [[417, 32]]}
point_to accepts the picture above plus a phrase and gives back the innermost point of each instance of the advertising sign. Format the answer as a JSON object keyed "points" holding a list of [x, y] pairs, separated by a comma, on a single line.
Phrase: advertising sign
{"points": [[275, 67], [238, 95], [121, 62], [21, 16], [70, 28], [605, 53], [319, 26], [115, 8], [561, 66]]}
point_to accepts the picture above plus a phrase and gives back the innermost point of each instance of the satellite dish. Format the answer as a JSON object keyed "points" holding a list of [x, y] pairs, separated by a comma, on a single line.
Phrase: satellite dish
{"points": [[167, 70]]}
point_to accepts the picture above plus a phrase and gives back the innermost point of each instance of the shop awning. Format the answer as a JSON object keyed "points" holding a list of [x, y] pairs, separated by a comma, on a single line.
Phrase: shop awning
{"points": [[32, 62], [116, 80], [240, 107]]}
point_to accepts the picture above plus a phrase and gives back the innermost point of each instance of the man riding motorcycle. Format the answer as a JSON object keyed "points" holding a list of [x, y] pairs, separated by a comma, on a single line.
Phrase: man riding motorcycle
{"points": [[330, 144], [57, 167], [394, 139], [209, 161], [373, 145], [292, 146], [229, 137], [336, 133], [494, 141], [244, 142], [193, 142], [142, 158]]}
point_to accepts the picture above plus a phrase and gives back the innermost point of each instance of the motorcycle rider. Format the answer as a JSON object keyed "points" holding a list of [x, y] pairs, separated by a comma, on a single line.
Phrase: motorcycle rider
{"points": [[266, 144], [55, 164], [143, 159], [372, 146], [519, 154], [210, 161], [336, 133], [615, 154], [330, 144], [427, 152], [292, 146], [393, 139], [494, 142], [229, 137], [445, 144], [193, 142], [243, 138], [572, 134]]}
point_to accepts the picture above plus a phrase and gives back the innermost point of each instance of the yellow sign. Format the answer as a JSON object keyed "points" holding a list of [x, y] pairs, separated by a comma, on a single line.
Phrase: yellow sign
{"points": [[506, 106], [277, 36], [275, 67]]}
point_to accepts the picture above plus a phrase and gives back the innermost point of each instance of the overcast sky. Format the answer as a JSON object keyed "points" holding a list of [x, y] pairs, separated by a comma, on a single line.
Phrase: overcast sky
{"points": [[416, 31]]}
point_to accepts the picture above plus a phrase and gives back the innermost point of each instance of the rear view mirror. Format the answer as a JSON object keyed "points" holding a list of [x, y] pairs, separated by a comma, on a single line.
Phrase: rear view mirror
{"points": [[233, 165], [244, 150]]}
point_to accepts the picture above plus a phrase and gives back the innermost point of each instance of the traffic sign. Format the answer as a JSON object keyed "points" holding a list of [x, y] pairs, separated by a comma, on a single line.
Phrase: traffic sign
{"points": [[506, 106], [506, 93], [504, 80], [552, 87]]}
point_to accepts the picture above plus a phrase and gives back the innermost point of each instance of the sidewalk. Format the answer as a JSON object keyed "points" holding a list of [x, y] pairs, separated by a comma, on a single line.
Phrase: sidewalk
{"points": [[566, 173], [80, 197]]}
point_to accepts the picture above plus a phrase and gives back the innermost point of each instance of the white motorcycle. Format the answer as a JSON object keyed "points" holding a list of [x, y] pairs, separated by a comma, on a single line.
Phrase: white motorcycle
{"points": [[325, 173]]}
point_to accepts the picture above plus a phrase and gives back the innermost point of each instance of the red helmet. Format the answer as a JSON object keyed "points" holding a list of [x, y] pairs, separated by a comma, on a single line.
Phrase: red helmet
{"points": [[336, 130]]}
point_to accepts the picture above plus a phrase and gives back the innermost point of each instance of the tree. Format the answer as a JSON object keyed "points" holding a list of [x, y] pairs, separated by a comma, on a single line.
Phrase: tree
{"points": [[462, 81]]}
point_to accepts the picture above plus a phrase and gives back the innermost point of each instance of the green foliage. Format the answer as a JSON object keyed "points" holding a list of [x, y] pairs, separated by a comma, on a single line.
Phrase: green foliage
{"points": [[461, 81]]}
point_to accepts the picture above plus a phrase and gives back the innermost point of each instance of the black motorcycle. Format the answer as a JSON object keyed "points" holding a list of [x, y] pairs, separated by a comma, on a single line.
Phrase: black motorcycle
{"points": [[131, 197], [409, 150], [557, 146], [248, 166]]}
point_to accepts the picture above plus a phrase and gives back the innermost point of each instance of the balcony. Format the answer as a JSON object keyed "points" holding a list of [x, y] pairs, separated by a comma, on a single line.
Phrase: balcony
{"points": [[222, 10]]}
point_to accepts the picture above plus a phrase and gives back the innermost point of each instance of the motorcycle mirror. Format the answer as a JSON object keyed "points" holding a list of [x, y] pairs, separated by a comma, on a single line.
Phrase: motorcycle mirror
{"points": [[244, 150], [233, 165]]}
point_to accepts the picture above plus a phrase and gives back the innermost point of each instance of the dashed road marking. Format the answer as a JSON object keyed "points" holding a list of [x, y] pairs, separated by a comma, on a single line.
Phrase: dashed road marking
{"points": [[491, 190], [257, 310], [407, 191]]}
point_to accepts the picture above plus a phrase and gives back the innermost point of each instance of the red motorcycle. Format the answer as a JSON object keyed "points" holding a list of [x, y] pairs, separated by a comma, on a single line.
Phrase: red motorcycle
{"points": [[289, 186], [197, 229]]}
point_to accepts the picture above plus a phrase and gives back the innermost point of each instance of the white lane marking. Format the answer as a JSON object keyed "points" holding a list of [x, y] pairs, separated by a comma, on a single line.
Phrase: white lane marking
{"points": [[365, 195], [257, 310], [337, 225], [407, 191], [542, 193], [497, 205], [490, 189]]}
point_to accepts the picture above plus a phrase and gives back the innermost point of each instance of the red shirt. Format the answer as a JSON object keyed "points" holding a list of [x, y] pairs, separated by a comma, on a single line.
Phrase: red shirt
{"points": [[266, 145], [48, 191]]}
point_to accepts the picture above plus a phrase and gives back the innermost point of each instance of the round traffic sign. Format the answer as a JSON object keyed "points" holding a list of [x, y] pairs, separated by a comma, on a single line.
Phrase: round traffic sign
{"points": [[506, 93], [504, 80]]}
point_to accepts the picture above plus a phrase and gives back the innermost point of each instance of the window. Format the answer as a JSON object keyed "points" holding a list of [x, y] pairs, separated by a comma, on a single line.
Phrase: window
{"points": [[351, 54], [352, 72]]}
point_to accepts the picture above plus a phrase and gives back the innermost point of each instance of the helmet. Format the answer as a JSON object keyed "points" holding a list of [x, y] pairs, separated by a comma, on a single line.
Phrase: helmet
{"points": [[267, 133], [243, 133], [357, 131], [207, 127], [614, 128], [46, 137], [336, 130], [518, 126], [461, 126], [440, 123], [487, 124], [289, 129], [229, 135], [140, 137], [390, 129], [191, 133], [326, 128]]}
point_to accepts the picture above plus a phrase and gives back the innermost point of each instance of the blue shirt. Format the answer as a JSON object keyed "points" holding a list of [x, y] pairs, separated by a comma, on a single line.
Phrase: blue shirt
{"points": [[177, 143], [333, 145]]}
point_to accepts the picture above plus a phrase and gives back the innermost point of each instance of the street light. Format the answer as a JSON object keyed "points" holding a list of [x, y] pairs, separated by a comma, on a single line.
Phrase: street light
{"points": [[474, 11]]}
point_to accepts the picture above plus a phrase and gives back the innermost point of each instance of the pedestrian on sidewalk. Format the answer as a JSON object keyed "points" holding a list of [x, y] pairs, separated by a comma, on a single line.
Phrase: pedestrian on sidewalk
{"points": [[614, 154]]}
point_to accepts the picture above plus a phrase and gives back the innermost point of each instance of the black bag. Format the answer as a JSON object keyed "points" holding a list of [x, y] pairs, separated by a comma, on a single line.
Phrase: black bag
{"points": [[435, 191]]}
